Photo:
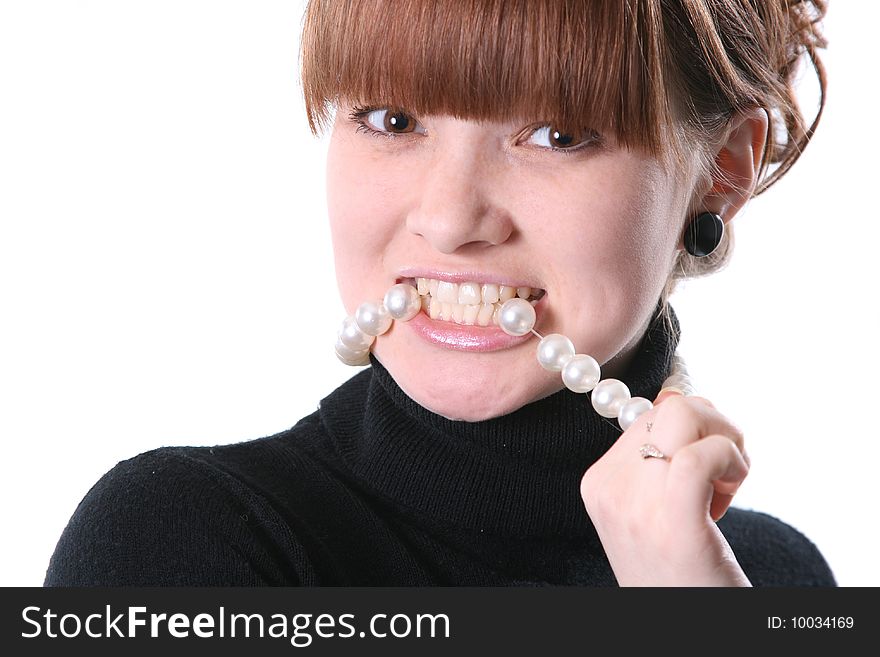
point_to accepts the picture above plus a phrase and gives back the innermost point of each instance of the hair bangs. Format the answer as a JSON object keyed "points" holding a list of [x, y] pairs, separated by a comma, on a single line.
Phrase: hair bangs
{"points": [[494, 60]]}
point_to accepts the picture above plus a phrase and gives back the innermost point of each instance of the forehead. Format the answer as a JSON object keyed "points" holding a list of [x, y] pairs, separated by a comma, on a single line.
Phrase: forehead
{"points": [[578, 64]]}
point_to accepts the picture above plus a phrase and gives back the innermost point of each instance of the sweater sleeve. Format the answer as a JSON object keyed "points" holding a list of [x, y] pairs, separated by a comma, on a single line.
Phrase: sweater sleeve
{"points": [[165, 519], [773, 553]]}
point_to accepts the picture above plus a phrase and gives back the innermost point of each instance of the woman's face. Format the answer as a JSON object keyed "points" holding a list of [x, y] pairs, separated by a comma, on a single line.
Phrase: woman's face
{"points": [[592, 224]]}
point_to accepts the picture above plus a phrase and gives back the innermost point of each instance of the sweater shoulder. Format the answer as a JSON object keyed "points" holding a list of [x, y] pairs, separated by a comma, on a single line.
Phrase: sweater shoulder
{"points": [[188, 516], [772, 552]]}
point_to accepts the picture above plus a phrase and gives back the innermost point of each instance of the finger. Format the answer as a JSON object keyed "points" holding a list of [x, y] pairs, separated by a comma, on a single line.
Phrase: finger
{"points": [[680, 421], [719, 505], [697, 470], [665, 394]]}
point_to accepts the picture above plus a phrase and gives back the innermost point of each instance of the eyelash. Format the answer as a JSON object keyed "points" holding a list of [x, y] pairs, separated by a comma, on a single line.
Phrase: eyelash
{"points": [[593, 141], [358, 116]]}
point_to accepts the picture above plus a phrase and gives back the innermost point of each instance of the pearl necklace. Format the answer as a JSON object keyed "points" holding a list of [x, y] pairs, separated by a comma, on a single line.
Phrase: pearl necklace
{"points": [[611, 398]]}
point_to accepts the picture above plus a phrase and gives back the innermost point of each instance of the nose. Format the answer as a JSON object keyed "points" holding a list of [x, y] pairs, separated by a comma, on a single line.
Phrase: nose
{"points": [[458, 204]]}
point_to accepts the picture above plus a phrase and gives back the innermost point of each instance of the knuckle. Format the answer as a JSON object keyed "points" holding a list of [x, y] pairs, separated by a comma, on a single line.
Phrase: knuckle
{"points": [[688, 459], [733, 449], [731, 429], [675, 403], [738, 455], [699, 413], [702, 400], [737, 435], [674, 409], [728, 448]]}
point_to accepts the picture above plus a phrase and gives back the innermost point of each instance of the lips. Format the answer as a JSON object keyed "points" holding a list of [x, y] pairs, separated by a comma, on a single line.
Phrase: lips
{"points": [[460, 309], [462, 337]]}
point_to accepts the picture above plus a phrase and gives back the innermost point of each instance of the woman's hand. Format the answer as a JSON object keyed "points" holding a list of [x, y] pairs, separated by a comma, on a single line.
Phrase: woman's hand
{"points": [[656, 517]]}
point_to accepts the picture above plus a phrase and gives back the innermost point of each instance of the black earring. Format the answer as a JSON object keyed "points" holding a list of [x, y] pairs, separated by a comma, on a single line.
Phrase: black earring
{"points": [[703, 234]]}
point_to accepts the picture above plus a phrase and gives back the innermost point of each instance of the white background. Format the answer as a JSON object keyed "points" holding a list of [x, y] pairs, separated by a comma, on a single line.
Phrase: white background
{"points": [[166, 274]]}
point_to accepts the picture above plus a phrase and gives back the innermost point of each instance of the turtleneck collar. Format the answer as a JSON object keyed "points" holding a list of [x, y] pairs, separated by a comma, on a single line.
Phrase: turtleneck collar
{"points": [[515, 474]]}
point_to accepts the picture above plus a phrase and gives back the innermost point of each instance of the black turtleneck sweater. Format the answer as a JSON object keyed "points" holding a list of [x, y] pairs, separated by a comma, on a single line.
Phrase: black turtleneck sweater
{"points": [[374, 490]]}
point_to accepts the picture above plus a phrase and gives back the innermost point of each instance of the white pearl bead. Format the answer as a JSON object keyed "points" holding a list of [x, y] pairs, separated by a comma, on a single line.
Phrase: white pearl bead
{"points": [[351, 356], [581, 373], [554, 351], [372, 318], [608, 396], [403, 302], [352, 337], [516, 317], [631, 410]]}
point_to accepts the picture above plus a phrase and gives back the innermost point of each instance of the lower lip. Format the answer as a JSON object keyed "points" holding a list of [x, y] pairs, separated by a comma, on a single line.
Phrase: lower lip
{"points": [[463, 337]]}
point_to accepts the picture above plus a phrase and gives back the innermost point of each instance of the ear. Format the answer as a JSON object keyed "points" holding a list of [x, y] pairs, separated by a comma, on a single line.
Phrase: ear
{"points": [[736, 167]]}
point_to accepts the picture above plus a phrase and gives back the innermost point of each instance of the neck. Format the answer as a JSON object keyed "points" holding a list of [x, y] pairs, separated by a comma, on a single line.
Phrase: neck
{"points": [[514, 474]]}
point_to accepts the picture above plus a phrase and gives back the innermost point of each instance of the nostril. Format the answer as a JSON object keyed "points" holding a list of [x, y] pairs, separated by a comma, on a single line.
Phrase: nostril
{"points": [[455, 218]]}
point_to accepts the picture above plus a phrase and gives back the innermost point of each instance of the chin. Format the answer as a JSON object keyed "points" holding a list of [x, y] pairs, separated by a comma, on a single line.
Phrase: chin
{"points": [[455, 411], [469, 389], [457, 407]]}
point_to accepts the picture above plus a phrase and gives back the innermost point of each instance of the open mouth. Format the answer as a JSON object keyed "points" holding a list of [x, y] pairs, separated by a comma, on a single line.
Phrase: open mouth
{"points": [[472, 304]]}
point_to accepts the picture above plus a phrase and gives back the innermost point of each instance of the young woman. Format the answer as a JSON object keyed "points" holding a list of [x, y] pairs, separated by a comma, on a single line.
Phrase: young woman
{"points": [[514, 189]]}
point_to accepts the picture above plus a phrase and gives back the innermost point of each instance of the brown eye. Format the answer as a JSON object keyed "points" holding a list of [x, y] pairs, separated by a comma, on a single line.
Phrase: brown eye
{"points": [[389, 121], [560, 139], [398, 122]]}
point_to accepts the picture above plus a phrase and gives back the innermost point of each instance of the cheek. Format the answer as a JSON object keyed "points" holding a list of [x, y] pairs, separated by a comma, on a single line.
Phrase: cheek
{"points": [[613, 241], [639, 227], [615, 226], [361, 221]]}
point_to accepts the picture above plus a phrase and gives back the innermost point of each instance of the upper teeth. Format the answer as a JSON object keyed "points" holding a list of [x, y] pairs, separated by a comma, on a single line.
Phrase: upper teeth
{"points": [[469, 303], [472, 293]]}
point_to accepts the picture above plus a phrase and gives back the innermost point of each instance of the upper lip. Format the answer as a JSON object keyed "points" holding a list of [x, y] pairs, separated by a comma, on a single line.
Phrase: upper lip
{"points": [[465, 277]]}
